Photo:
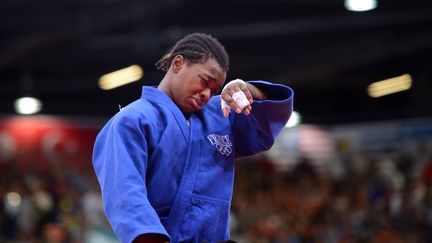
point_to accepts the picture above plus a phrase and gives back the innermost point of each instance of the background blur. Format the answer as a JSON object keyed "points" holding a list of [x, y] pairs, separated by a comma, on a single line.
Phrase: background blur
{"points": [[356, 168]]}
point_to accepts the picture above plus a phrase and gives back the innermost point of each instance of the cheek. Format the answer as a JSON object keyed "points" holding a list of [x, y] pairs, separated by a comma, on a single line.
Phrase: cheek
{"points": [[189, 89], [196, 86], [182, 93]]}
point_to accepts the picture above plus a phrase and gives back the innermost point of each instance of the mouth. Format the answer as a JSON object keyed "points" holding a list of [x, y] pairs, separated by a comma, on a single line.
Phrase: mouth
{"points": [[197, 104]]}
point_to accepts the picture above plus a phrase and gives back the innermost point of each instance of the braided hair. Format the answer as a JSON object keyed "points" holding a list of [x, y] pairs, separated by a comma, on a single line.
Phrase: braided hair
{"points": [[196, 48]]}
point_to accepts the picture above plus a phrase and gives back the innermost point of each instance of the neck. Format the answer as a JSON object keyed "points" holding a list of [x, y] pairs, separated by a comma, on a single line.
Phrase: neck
{"points": [[164, 87]]}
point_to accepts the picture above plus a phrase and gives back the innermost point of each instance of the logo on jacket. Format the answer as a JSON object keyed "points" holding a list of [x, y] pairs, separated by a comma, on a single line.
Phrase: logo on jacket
{"points": [[222, 142]]}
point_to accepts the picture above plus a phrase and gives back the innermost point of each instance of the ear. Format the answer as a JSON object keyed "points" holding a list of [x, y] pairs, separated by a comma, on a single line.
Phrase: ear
{"points": [[177, 63]]}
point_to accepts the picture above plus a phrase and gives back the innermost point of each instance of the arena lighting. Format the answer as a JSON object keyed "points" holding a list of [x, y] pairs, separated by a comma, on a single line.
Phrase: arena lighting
{"points": [[13, 199], [121, 77], [390, 86], [360, 5], [294, 120], [27, 105]]}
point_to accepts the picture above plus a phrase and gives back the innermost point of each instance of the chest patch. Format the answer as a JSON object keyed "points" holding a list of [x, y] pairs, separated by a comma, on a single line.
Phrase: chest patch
{"points": [[222, 142]]}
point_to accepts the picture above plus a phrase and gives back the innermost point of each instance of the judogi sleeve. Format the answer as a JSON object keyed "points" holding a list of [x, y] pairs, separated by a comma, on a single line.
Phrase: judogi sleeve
{"points": [[256, 133], [120, 160]]}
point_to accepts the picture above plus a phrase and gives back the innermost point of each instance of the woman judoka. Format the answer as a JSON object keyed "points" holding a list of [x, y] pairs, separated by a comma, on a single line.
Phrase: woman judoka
{"points": [[165, 163]]}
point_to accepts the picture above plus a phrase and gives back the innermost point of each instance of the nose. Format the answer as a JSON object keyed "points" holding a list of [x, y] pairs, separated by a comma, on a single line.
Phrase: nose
{"points": [[205, 95]]}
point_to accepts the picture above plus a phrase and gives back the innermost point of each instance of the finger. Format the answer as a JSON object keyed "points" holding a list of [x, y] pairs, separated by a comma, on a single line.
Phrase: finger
{"points": [[226, 112], [234, 86], [225, 108], [241, 100], [232, 104], [247, 92], [246, 111]]}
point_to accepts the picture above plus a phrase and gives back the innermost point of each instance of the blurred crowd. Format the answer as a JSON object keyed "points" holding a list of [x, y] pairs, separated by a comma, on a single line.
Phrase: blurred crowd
{"points": [[381, 196], [50, 205], [384, 196]]}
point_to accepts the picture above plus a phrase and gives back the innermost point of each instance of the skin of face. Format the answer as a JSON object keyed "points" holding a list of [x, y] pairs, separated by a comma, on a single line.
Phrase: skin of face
{"points": [[193, 84]]}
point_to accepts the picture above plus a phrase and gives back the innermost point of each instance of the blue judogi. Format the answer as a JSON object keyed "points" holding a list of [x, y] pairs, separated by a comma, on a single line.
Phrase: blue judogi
{"points": [[160, 173]]}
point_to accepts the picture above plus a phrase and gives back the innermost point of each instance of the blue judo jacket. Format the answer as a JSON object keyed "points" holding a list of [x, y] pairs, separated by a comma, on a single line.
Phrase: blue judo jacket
{"points": [[160, 173]]}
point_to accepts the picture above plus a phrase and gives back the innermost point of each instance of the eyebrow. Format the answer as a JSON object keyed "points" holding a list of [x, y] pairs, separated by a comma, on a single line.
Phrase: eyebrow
{"points": [[209, 76]]}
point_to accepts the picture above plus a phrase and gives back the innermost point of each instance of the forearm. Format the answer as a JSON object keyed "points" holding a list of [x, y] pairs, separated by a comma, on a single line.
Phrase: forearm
{"points": [[120, 164]]}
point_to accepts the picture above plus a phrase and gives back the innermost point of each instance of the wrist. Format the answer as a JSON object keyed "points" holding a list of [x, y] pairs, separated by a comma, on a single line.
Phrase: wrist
{"points": [[256, 93]]}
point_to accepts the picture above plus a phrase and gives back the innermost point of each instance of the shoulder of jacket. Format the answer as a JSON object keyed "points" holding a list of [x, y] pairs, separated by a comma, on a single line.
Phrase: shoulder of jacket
{"points": [[139, 111]]}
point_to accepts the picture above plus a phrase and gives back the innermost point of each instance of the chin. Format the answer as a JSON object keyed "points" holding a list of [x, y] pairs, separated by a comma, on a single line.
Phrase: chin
{"points": [[188, 110]]}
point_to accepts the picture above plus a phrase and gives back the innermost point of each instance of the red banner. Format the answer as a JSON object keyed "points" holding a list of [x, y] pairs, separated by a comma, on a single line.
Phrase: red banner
{"points": [[35, 142]]}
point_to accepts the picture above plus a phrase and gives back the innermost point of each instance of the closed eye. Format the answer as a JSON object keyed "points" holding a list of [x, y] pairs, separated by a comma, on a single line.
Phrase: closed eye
{"points": [[206, 83]]}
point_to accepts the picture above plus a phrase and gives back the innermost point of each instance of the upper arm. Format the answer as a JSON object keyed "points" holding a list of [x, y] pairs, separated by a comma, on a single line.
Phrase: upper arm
{"points": [[120, 159]]}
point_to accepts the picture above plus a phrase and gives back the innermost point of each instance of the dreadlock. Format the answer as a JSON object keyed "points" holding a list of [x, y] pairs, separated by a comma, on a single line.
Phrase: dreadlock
{"points": [[196, 48]]}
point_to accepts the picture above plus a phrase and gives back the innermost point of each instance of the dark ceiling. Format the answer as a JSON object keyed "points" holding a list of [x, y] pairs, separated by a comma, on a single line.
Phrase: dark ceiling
{"points": [[57, 50]]}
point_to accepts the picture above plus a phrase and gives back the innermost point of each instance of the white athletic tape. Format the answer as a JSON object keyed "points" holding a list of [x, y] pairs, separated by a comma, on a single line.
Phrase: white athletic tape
{"points": [[240, 99]]}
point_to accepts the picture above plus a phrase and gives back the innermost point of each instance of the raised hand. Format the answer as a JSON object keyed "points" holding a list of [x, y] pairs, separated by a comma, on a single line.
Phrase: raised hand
{"points": [[236, 95]]}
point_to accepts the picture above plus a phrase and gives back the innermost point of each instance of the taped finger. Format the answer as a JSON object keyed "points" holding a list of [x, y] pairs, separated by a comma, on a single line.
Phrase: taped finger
{"points": [[240, 99]]}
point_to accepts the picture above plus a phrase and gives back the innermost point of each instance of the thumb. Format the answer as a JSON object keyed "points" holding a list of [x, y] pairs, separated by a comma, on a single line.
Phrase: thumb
{"points": [[225, 108]]}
